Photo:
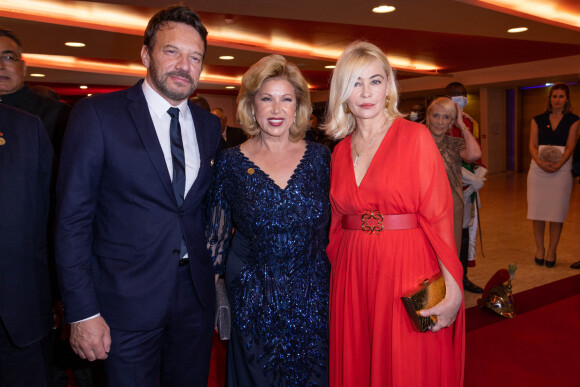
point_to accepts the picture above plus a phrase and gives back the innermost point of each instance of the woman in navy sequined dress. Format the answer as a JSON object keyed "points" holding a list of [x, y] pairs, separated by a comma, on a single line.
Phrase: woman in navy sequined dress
{"points": [[273, 190]]}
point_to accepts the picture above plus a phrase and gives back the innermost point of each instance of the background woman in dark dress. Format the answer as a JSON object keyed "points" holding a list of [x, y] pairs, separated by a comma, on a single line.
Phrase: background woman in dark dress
{"points": [[273, 189], [552, 134]]}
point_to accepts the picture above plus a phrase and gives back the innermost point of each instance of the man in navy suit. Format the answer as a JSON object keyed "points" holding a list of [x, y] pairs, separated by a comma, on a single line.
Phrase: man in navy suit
{"points": [[25, 298], [135, 274]]}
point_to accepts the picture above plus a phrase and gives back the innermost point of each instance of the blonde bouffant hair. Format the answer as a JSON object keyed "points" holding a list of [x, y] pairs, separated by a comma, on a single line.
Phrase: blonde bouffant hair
{"points": [[353, 61], [447, 105], [268, 68]]}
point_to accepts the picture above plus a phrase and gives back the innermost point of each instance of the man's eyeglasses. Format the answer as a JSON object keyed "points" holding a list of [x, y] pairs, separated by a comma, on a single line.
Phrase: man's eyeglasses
{"points": [[9, 60]]}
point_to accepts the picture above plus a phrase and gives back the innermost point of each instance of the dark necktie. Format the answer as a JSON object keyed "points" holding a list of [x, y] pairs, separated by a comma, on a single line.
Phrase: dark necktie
{"points": [[177, 155]]}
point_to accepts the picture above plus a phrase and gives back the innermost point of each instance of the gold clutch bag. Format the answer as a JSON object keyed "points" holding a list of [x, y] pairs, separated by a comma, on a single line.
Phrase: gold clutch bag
{"points": [[428, 294]]}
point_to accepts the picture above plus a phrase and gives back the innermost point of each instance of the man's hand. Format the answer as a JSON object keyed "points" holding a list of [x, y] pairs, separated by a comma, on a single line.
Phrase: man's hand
{"points": [[91, 339]]}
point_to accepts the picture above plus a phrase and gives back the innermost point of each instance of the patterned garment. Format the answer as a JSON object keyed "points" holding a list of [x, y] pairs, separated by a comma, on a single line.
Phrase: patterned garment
{"points": [[277, 272], [449, 148]]}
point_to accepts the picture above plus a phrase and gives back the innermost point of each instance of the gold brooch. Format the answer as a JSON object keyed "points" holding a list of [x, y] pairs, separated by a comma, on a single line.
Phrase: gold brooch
{"points": [[372, 222], [251, 171], [2, 141]]}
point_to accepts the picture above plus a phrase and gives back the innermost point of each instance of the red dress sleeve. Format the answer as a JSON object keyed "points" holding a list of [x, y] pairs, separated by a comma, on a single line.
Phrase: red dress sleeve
{"points": [[436, 219]]}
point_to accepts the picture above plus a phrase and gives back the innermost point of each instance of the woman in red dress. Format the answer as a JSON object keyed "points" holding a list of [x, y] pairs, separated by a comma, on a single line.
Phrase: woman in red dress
{"points": [[390, 169]]}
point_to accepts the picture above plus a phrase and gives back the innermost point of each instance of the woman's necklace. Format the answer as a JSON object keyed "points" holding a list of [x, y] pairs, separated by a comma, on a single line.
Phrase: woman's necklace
{"points": [[355, 162]]}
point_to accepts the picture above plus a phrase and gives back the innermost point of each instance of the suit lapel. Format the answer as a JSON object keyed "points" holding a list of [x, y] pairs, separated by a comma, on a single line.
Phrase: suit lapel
{"points": [[139, 111], [201, 136]]}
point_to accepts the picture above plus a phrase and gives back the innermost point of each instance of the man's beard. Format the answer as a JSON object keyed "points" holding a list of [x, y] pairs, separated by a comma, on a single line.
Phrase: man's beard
{"points": [[161, 84]]}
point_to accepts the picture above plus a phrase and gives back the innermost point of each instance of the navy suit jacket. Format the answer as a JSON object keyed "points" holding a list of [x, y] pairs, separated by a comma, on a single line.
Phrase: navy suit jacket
{"points": [[119, 228], [25, 172]]}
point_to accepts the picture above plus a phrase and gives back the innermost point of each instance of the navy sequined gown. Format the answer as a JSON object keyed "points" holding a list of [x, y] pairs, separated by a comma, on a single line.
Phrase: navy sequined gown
{"points": [[277, 272]]}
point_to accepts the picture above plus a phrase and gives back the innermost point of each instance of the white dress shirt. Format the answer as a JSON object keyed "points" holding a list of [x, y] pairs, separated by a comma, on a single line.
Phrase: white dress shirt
{"points": [[158, 107]]}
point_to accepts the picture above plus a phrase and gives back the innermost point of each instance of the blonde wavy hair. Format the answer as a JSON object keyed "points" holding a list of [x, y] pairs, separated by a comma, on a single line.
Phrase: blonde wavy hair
{"points": [[353, 61], [268, 68]]}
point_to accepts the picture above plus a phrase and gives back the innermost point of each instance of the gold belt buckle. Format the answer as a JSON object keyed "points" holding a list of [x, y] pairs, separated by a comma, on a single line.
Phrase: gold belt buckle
{"points": [[370, 227]]}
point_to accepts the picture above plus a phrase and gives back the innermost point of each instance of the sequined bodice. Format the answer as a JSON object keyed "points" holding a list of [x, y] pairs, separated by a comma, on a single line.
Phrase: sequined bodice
{"points": [[279, 222]]}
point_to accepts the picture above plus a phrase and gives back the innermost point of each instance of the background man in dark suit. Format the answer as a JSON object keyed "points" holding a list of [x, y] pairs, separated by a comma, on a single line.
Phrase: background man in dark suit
{"points": [[25, 298], [230, 136], [136, 277], [14, 92], [54, 115]]}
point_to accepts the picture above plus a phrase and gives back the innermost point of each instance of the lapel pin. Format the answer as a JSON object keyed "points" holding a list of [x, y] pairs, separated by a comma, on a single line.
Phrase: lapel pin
{"points": [[211, 162], [251, 171]]}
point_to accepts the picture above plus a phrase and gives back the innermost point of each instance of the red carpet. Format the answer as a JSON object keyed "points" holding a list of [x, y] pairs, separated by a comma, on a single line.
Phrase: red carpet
{"points": [[217, 368], [540, 347], [526, 301]]}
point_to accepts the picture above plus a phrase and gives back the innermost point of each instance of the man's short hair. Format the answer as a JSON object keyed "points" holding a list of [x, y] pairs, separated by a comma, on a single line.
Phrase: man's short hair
{"points": [[200, 101], [10, 35], [450, 88], [177, 14]]}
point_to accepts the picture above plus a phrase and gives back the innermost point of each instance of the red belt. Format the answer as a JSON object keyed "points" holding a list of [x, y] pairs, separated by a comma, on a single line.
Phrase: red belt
{"points": [[373, 222]]}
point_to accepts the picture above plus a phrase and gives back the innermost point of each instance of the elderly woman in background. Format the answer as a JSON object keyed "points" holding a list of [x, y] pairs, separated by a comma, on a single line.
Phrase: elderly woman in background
{"points": [[391, 227], [552, 140], [441, 115], [273, 189]]}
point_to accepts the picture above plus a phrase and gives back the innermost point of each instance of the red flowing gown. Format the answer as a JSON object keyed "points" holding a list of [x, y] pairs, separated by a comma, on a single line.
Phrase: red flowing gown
{"points": [[372, 342]]}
